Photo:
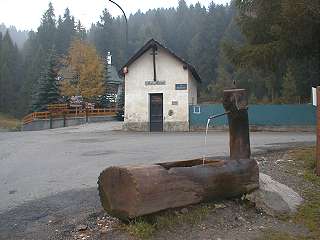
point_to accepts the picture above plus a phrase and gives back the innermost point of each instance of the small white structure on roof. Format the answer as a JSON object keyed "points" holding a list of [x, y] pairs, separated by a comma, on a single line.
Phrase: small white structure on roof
{"points": [[159, 87]]}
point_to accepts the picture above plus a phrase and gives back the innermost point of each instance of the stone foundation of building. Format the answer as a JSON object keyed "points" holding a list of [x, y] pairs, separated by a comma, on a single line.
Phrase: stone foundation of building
{"points": [[167, 126]]}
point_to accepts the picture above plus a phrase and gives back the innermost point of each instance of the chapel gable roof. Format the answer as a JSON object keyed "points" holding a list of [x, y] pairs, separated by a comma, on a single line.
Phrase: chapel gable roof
{"points": [[151, 43]]}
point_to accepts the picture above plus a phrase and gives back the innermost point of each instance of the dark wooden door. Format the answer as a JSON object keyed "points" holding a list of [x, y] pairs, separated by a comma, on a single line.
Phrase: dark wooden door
{"points": [[156, 112]]}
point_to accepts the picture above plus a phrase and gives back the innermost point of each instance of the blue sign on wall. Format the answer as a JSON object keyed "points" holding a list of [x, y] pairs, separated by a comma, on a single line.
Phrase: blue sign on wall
{"points": [[181, 86]]}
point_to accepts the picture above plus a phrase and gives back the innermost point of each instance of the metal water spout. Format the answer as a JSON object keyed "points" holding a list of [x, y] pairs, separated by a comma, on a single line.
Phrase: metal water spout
{"points": [[218, 115], [206, 134]]}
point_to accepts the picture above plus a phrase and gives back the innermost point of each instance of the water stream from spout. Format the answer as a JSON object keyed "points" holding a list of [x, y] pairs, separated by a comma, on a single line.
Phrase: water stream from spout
{"points": [[205, 142]]}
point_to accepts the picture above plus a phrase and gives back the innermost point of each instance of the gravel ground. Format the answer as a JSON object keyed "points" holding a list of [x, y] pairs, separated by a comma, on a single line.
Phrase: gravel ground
{"points": [[234, 221]]}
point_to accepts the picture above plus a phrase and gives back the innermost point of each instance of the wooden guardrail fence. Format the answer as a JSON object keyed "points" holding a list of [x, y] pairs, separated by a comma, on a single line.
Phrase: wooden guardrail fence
{"points": [[68, 113], [57, 106]]}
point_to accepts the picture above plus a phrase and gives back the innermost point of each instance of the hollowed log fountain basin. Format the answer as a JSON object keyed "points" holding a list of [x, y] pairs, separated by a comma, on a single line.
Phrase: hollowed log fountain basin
{"points": [[127, 192]]}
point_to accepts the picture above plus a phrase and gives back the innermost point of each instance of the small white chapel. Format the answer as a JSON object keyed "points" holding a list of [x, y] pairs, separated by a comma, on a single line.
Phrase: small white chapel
{"points": [[159, 88]]}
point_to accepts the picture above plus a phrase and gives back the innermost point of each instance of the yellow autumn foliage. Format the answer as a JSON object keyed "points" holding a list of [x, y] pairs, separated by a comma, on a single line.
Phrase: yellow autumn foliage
{"points": [[87, 70]]}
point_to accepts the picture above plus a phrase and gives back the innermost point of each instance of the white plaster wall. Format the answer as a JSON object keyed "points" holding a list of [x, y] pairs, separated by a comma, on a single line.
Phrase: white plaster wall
{"points": [[168, 69], [193, 90]]}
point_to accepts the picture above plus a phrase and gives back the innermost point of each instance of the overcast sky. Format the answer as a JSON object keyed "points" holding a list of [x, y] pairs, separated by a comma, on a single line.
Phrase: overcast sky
{"points": [[26, 14]]}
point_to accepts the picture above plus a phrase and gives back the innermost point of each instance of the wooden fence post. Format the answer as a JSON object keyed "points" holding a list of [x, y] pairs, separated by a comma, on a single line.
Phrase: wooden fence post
{"points": [[87, 115], [64, 118], [318, 133], [50, 120]]}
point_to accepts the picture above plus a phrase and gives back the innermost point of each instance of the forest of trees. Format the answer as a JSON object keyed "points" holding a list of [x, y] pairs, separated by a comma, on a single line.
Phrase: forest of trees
{"points": [[270, 47], [18, 36]]}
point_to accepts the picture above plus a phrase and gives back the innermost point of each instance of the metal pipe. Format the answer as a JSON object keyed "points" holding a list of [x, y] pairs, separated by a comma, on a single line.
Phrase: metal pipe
{"points": [[222, 114], [218, 115]]}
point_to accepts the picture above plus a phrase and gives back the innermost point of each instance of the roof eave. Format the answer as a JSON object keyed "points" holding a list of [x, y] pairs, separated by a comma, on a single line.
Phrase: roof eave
{"points": [[149, 45]]}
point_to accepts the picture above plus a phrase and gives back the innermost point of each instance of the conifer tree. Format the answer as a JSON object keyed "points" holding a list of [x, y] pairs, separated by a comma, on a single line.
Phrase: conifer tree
{"points": [[0, 46], [81, 31], [1, 83], [10, 72], [47, 29], [66, 31], [102, 37], [289, 88], [36, 54], [47, 89], [34, 60]]}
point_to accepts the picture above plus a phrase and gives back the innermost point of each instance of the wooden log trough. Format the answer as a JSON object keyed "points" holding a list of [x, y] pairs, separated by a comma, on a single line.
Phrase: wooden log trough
{"points": [[127, 192]]}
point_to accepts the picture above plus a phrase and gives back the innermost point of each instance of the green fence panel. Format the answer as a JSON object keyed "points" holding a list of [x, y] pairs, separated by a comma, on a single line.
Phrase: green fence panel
{"points": [[199, 115], [259, 115], [283, 115]]}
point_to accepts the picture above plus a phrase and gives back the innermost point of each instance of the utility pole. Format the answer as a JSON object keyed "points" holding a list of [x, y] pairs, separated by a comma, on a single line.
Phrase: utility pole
{"points": [[127, 47], [318, 133], [125, 17]]}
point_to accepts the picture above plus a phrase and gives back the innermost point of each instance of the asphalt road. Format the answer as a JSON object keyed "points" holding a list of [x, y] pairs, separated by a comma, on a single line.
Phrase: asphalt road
{"points": [[36, 165]]}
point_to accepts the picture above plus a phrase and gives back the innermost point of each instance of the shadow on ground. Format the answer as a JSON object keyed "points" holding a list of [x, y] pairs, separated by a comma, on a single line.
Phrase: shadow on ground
{"points": [[53, 217]]}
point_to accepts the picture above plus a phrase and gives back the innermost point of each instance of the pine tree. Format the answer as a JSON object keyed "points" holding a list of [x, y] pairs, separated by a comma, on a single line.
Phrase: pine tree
{"points": [[10, 73], [0, 46], [5, 88], [47, 29], [1, 83], [103, 36], [48, 90], [66, 31], [182, 28], [36, 52], [289, 88], [277, 31], [33, 67], [81, 31]]}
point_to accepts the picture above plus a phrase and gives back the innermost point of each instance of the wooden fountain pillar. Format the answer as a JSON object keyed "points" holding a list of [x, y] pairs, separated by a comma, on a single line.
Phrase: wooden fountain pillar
{"points": [[235, 102]]}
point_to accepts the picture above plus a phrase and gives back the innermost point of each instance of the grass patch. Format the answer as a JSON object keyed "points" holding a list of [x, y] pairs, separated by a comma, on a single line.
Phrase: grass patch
{"points": [[271, 235], [141, 228], [307, 158], [8, 122], [309, 212], [145, 227]]}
